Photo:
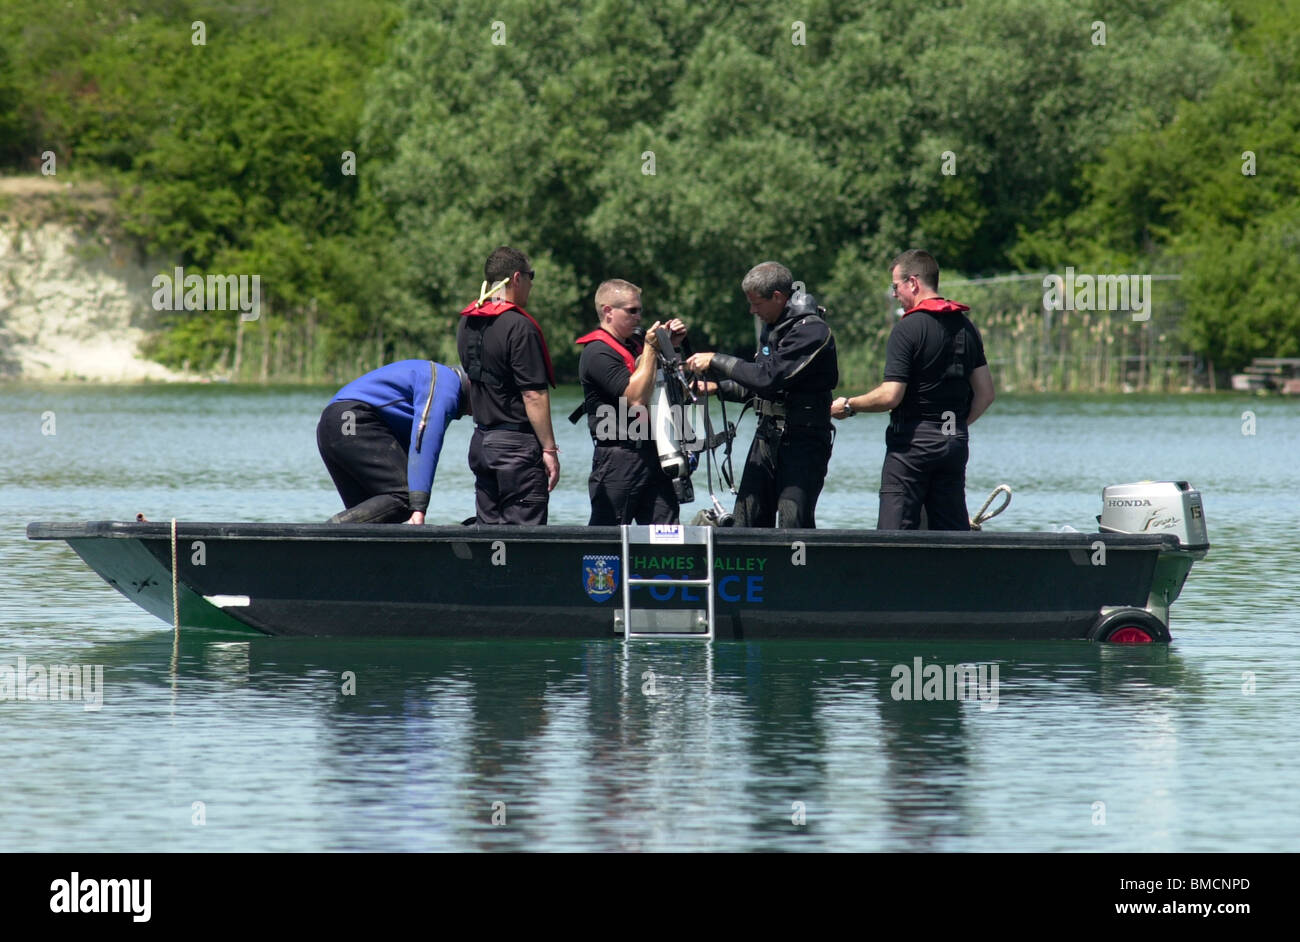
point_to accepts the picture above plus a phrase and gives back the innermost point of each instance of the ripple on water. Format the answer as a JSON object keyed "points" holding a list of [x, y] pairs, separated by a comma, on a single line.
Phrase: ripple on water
{"points": [[1189, 747]]}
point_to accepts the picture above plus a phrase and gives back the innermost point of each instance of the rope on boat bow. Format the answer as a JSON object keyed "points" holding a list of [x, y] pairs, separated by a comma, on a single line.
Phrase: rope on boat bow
{"points": [[982, 517], [176, 605]]}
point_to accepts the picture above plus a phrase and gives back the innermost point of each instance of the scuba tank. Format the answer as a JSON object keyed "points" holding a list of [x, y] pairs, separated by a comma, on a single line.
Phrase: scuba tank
{"points": [[674, 420]]}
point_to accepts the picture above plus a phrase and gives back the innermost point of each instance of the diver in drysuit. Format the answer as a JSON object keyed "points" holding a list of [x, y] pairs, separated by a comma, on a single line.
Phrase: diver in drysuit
{"points": [[791, 377]]}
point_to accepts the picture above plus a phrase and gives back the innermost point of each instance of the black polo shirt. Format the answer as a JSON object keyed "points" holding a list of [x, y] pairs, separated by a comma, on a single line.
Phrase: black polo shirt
{"points": [[512, 350]]}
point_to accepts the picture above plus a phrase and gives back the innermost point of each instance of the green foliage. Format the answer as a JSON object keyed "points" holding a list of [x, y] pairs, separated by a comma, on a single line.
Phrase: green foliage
{"points": [[228, 154], [828, 156], [13, 129], [1176, 197]]}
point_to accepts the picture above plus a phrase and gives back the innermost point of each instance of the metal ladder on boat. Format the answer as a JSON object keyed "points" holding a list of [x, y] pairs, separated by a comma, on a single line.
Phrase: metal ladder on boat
{"points": [[666, 623]]}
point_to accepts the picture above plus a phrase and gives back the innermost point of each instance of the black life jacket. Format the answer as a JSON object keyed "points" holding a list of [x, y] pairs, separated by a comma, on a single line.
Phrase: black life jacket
{"points": [[474, 342], [954, 383]]}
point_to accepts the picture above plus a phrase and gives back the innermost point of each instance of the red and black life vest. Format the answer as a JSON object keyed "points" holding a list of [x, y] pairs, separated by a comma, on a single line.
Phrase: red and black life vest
{"points": [[474, 343], [954, 382], [955, 347], [938, 306], [605, 337]]}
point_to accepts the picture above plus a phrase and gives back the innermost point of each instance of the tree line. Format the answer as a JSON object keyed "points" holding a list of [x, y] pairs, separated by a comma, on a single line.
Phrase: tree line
{"points": [[364, 156]]}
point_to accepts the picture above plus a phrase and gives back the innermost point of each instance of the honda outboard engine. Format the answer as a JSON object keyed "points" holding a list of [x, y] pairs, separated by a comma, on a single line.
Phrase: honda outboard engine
{"points": [[1156, 507]]}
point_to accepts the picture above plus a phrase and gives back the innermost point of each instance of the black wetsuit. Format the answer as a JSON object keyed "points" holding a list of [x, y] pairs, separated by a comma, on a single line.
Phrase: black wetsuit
{"points": [[792, 376]]}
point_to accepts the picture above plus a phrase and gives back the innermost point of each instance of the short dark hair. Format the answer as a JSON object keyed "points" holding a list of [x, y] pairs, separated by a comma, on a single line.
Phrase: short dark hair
{"points": [[503, 263], [917, 261], [767, 278], [920, 263]]}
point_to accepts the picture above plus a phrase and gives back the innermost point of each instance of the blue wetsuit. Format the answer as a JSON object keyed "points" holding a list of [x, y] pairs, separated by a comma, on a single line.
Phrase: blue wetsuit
{"points": [[371, 439]]}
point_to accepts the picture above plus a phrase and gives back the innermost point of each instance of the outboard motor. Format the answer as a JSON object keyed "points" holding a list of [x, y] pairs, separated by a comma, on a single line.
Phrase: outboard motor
{"points": [[1156, 507], [1152, 507]]}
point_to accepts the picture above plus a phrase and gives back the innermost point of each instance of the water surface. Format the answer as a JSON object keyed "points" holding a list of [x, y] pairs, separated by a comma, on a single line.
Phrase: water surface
{"points": [[1186, 747]]}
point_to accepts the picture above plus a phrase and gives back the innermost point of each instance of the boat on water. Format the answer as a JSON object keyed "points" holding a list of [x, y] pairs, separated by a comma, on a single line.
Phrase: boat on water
{"points": [[340, 580]]}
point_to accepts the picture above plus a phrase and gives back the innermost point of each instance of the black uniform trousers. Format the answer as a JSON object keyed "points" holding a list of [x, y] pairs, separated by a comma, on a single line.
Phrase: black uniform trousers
{"points": [[366, 461], [783, 476], [627, 485], [924, 468], [509, 477]]}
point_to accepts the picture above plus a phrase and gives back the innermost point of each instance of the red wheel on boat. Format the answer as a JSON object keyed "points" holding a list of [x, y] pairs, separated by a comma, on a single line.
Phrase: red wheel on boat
{"points": [[1129, 635], [1130, 626]]}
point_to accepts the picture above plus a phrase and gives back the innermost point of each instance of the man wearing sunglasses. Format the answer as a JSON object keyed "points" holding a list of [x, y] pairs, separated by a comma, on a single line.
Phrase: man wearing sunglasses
{"points": [[937, 383], [513, 454], [617, 370]]}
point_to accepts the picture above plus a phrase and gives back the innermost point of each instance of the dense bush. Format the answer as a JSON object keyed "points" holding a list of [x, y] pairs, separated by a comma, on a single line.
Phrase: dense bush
{"points": [[822, 142]]}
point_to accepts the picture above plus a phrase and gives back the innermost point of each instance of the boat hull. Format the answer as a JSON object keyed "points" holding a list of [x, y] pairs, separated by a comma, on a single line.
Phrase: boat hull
{"points": [[323, 580]]}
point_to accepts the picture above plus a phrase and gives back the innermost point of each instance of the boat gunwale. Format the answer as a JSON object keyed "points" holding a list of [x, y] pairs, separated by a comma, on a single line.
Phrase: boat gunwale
{"points": [[728, 536]]}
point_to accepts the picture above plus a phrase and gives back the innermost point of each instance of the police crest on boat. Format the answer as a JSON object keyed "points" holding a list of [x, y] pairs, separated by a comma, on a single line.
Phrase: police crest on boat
{"points": [[600, 576]]}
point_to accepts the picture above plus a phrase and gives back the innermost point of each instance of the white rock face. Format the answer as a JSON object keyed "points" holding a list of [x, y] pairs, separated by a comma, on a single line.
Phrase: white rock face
{"points": [[72, 307]]}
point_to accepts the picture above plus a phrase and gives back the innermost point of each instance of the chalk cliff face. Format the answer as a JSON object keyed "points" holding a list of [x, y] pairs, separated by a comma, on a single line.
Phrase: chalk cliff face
{"points": [[73, 306]]}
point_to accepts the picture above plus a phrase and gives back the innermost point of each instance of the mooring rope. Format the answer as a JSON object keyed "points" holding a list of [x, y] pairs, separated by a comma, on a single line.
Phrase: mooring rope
{"points": [[981, 518], [176, 604]]}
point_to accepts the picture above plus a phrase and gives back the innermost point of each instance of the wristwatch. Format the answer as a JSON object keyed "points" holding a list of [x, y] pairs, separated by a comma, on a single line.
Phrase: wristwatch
{"points": [[848, 407]]}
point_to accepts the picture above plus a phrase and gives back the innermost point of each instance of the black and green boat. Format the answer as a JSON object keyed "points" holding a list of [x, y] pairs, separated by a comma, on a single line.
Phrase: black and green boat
{"points": [[1116, 584]]}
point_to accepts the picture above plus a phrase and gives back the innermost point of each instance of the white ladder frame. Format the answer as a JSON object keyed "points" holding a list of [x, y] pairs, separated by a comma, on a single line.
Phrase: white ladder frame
{"points": [[691, 536]]}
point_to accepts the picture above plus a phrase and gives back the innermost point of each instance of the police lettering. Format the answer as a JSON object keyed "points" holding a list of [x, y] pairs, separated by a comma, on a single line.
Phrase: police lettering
{"points": [[730, 588]]}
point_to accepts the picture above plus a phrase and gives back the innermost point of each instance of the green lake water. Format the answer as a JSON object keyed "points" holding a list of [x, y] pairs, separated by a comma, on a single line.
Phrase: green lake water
{"points": [[741, 746]]}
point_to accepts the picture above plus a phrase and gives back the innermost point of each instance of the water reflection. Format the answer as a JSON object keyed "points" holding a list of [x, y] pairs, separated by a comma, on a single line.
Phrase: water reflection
{"points": [[647, 746]]}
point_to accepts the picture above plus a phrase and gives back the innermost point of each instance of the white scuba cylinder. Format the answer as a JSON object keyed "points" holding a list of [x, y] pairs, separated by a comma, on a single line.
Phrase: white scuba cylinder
{"points": [[672, 430]]}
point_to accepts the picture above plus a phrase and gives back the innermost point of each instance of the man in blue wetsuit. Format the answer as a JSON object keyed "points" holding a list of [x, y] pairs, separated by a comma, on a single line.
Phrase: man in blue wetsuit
{"points": [[381, 434]]}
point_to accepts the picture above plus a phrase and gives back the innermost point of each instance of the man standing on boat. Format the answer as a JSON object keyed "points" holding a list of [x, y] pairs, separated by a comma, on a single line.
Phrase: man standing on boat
{"points": [[513, 454], [937, 383], [791, 378], [380, 437], [627, 482]]}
